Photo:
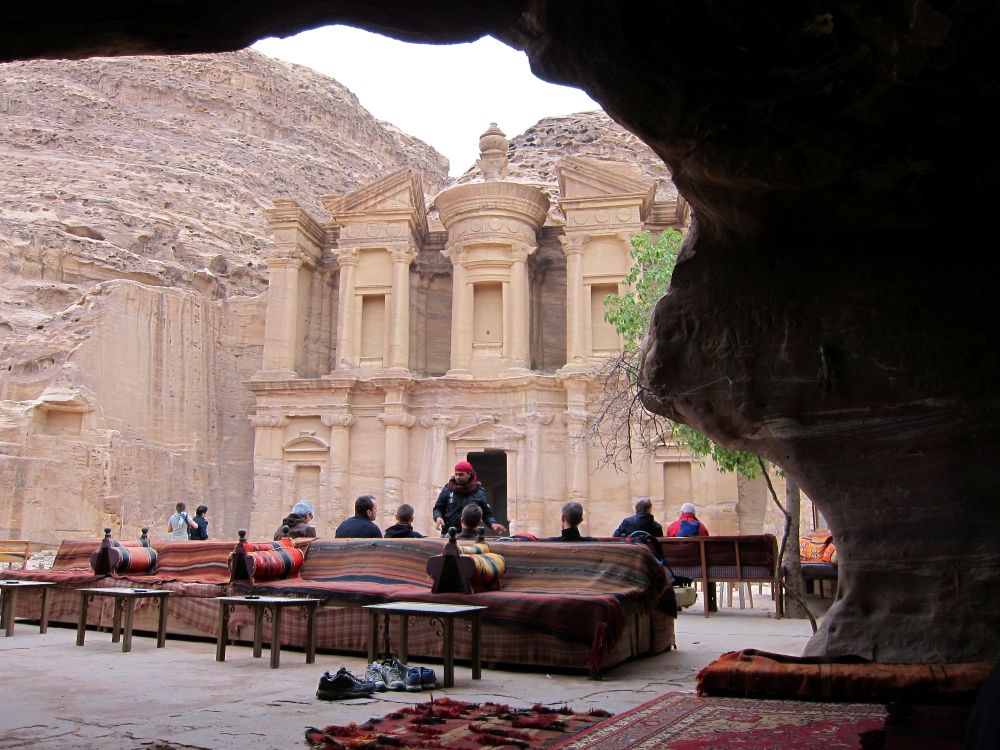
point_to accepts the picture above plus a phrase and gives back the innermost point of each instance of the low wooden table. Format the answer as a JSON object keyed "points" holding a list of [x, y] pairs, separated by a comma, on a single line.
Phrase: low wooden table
{"points": [[446, 613], [8, 611], [124, 603], [274, 605]]}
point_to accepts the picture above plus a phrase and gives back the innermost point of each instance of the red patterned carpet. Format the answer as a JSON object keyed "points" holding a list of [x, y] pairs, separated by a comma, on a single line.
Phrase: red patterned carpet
{"points": [[681, 721], [445, 724]]}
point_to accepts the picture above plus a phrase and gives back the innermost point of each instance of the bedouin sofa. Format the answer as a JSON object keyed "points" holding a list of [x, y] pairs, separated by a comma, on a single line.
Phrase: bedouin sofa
{"points": [[579, 607]]}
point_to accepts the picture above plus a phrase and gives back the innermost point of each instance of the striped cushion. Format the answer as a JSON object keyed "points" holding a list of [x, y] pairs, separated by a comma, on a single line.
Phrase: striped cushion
{"points": [[264, 546], [268, 565], [490, 567], [474, 549], [136, 560]]}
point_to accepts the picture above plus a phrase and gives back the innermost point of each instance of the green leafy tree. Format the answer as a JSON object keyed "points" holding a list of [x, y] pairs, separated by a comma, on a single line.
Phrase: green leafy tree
{"points": [[653, 264]]}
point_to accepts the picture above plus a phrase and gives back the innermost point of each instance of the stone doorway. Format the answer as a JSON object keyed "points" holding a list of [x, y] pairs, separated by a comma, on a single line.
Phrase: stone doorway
{"points": [[491, 468]]}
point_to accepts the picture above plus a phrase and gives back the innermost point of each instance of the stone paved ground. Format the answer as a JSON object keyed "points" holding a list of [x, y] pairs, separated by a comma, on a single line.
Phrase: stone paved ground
{"points": [[56, 695]]}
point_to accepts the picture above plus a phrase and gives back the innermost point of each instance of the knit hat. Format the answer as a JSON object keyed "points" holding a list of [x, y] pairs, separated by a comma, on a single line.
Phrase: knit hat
{"points": [[464, 466], [688, 508]]}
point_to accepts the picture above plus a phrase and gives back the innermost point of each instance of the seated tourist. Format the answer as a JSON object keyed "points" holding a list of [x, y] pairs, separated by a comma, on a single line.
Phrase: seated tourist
{"points": [[687, 523], [642, 520], [472, 519], [362, 523], [297, 522], [403, 528], [572, 517]]}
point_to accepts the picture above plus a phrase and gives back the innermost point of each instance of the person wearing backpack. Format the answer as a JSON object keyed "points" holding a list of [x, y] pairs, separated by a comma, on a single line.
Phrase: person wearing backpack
{"points": [[687, 523]]}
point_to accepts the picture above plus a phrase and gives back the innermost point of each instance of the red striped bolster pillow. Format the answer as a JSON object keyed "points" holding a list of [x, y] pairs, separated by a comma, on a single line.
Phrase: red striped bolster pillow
{"points": [[140, 560], [264, 546], [267, 565]]}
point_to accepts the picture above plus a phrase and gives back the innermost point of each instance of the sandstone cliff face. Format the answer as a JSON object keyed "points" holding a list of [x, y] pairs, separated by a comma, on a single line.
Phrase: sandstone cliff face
{"points": [[131, 243]]}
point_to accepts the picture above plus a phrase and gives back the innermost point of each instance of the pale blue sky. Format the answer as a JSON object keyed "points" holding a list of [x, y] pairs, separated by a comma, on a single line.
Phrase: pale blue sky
{"points": [[446, 95]]}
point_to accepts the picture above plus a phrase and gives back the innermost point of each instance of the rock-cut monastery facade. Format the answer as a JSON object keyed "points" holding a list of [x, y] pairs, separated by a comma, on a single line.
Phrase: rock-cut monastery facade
{"points": [[400, 339]]}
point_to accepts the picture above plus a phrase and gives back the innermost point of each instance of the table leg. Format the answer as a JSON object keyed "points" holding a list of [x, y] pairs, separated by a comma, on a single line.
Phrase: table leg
{"points": [[223, 632], [161, 631], [129, 607], [116, 620], [449, 651], [9, 612], [477, 665], [372, 633], [258, 630], [404, 639], [311, 633], [81, 626], [275, 635], [43, 626]]}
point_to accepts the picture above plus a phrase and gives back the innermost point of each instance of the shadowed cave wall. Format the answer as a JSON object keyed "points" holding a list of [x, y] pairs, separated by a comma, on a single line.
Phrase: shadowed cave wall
{"points": [[834, 308]]}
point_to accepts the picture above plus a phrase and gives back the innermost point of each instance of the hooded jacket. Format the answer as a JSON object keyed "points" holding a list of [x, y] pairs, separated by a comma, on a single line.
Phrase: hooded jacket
{"points": [[402, 531], [297, 527]]}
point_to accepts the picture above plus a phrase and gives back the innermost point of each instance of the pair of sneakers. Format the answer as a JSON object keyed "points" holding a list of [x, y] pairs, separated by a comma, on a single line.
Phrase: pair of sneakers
{"points": [[343, 685], [391, 674]]}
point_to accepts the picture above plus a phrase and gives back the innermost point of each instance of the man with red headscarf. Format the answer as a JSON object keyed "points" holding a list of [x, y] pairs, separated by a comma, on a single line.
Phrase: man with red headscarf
{"points": [[463, 488]]}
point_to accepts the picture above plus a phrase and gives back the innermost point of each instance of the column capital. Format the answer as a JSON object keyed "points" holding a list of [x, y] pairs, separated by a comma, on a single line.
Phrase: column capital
{"points": [[573, 244], [346, 256], [398, 419], [520, 251], [439, 420], [337, 420], [534, 418], [285, 257], [403, 252], [575, 418]]}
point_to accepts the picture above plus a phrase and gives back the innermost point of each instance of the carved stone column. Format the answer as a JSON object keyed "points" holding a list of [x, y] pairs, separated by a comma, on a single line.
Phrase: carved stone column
{"points": [[347, 347], [397, 426], [577, 455], [520, 335], [282, 325], [399, 335], [337, 506], [534, 492], [268, 501], [576, 325], [461, 317], [433, 468], [298, 243]]}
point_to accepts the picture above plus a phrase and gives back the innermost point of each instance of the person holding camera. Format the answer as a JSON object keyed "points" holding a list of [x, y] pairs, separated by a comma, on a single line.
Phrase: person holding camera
{"points": [[179, 523]]}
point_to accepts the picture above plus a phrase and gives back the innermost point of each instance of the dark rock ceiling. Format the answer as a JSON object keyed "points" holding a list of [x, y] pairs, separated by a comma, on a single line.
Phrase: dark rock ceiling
{"points": [[835, 306]]}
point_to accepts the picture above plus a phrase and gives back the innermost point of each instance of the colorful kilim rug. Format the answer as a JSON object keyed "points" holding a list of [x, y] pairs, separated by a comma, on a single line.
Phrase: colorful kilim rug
{"points": [[453, 725], [678, 721]]}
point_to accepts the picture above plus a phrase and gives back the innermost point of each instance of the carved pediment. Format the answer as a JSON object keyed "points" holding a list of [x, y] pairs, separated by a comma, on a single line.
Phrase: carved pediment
{"points": [[306, 442], [488, 429], [401, 192], [587, 178]]}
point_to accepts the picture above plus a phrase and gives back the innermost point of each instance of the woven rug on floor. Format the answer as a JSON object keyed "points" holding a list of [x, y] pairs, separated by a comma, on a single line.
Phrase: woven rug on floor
{"points": [[447, 724], [682, 721]]}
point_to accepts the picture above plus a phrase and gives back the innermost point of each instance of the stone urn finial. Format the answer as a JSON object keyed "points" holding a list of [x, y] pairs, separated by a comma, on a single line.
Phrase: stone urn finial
{"points": [[493, 153]]}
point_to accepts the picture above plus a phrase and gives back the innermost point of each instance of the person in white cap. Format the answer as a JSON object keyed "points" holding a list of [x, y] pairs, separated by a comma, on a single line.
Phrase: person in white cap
{"points": [[687, 523]]}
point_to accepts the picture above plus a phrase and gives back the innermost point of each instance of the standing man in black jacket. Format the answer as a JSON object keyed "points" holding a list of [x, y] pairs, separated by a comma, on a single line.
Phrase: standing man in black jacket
{"points": [[463, 488]]}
